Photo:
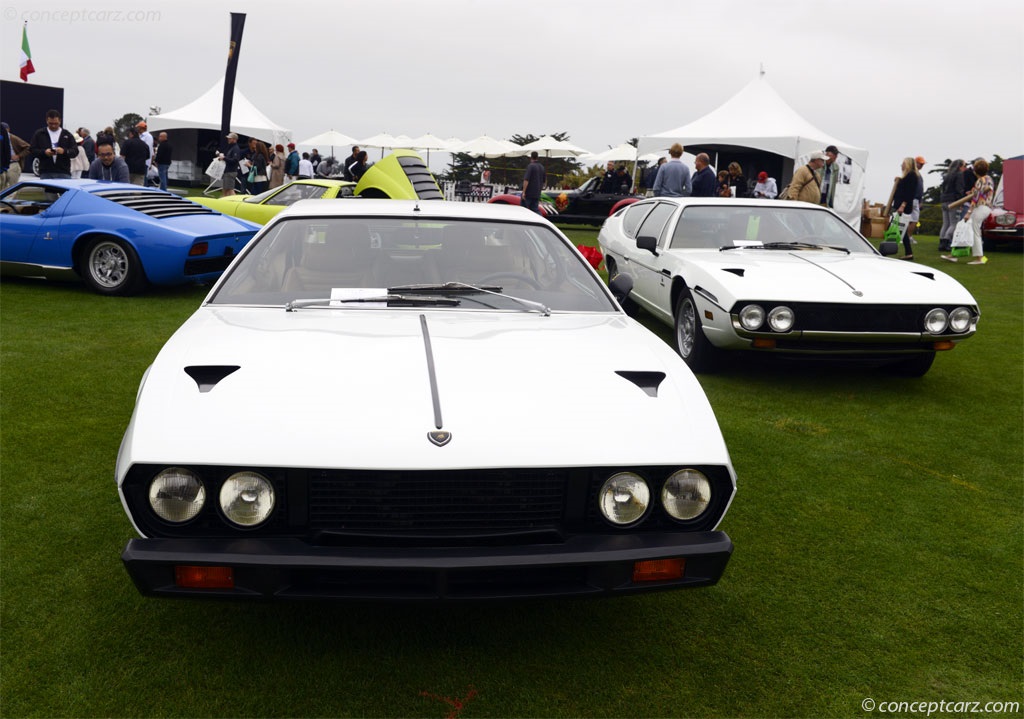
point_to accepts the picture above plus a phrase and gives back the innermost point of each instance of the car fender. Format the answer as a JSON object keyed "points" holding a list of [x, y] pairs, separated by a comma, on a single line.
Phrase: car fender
{"points": [[624, 202]]}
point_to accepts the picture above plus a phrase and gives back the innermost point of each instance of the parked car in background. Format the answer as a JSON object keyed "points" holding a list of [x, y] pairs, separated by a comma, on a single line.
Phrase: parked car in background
{"points": [[1006, 223], [402, 175], [385, 380], [117, 237], [781, 277], [586, 205]]}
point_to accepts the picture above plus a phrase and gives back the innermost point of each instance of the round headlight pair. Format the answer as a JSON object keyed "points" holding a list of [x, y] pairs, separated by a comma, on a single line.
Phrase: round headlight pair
{"points": [[780, 318], [626, 496], [178, 495], [937, 320]]}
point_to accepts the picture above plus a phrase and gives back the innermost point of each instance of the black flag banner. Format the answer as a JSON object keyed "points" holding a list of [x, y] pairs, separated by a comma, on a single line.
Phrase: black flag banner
{"points": [[234, 50]]}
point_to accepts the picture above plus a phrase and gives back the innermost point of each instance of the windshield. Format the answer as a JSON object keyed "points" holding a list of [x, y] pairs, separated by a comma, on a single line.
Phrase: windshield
{"points": [[515, 266], [734, 226]]}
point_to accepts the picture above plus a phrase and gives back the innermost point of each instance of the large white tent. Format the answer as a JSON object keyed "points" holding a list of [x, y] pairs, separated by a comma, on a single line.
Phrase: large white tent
{"points": [[204, 113], [758, 119]]}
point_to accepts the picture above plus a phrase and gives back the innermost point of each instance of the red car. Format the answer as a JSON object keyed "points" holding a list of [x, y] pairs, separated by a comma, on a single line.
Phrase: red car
{"points": [[1006, 223]]}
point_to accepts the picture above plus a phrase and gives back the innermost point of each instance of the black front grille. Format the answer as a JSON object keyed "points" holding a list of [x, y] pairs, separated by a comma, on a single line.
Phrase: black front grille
{"points": [[448, 501], [851, 318]]}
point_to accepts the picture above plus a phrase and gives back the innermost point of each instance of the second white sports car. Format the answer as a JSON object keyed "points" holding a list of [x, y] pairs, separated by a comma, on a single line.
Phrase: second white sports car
{"points": [[785, 277]]}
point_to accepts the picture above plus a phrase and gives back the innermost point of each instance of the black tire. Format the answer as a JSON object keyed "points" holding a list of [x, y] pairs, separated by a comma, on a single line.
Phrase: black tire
{"points": [[915, 366], [111, 267], [692, 345]]}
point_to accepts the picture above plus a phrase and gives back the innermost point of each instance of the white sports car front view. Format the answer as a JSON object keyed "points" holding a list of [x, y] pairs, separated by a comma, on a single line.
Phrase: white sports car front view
{"points": [[419, 400], [781, 277]]}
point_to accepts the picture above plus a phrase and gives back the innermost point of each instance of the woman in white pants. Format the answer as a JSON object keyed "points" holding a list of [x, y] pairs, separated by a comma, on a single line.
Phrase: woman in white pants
{"points": [[978, 210]]}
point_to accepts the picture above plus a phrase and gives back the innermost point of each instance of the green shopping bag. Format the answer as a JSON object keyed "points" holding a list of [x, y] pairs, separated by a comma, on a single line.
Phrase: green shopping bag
{"points": [[890, 244]]}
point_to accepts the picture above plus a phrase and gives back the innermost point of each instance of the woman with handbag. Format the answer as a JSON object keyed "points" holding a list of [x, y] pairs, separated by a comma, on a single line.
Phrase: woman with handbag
{"points": [[903, 199], [978, 210]]}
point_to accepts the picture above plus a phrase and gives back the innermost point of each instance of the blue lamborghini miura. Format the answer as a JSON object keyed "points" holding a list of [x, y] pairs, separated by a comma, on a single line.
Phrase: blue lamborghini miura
{"points": [[117, 237]]}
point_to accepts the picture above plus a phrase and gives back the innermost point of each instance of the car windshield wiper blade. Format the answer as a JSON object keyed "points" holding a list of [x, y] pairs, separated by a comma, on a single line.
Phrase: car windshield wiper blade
{"points": [[785, 246], [465, 288], [445, 288], [389, 298]]}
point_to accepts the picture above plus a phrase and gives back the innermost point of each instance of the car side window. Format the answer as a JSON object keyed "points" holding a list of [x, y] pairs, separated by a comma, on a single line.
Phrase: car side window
{"points": [[634, 215], [654, 223], [32, 199], [294, 193]]}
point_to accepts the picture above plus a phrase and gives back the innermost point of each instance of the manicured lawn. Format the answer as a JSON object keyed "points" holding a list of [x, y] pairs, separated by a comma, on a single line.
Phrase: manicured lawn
{"points": [[878, 532]]}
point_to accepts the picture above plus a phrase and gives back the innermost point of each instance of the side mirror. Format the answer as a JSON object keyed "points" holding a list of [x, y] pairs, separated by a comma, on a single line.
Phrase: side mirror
{"points": [[620, 285], [645, 242]]}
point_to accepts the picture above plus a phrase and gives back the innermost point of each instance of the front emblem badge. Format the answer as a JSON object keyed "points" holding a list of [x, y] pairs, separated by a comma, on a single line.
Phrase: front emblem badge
{"points": [[440, 437]]}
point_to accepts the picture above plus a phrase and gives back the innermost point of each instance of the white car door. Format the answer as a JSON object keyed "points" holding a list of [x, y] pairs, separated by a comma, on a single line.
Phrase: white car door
{"points": [[651, 280]]}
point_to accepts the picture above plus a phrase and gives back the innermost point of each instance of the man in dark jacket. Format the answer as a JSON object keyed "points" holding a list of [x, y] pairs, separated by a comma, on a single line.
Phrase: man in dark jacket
{"points": [[705, 181], [136, 155], [163, 159], [54, 147]]}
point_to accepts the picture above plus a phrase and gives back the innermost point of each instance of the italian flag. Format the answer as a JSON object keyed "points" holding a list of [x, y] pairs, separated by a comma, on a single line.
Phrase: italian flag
{"points": [[26, 55]]}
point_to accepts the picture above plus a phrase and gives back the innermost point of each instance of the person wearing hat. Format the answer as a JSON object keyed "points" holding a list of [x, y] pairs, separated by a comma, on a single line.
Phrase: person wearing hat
{"points": [[765, 189], [80, 162], [231, 159], [806, 187], [830, 176], [291, 165], [147, 138]]}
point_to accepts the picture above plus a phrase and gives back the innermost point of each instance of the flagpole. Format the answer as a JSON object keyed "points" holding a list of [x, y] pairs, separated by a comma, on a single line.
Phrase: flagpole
{"points": [[234, 50]]}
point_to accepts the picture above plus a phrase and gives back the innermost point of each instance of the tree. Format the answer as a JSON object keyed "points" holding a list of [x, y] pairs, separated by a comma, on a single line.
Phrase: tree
{"points": [[510, 170], [121, 125]]}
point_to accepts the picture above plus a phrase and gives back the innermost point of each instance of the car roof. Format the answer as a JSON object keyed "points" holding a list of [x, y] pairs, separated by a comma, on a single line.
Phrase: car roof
{"points": [[411, 208], [87, 185], [733, 202]]}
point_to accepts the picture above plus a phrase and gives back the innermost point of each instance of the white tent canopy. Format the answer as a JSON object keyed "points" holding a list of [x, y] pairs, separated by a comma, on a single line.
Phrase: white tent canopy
{"points": [[204, 113], [758, 118]]}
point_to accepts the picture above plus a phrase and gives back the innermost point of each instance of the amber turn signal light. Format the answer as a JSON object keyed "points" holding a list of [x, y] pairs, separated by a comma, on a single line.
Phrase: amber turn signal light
{"points": [[658, 570], [198, 249], [194, 577]]}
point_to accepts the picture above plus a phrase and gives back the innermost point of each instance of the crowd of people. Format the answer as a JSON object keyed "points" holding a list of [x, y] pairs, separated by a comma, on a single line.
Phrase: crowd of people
{"points": [[257, 168]]}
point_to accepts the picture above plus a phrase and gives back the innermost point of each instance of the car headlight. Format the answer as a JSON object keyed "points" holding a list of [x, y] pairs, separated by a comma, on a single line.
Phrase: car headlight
{"points": [[176, 495], [686, 494], [624, 498], [935, 321], [247, 498], [752, 317], [960, 319], [1007, 219], [781, 319]]}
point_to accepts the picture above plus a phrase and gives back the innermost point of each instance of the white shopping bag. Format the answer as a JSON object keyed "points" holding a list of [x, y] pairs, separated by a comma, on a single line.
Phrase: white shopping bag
{"points": [[963, 234], [216, 169]]}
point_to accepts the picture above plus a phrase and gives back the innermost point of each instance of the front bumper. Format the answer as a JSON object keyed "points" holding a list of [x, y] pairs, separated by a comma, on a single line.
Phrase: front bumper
{"points": [[292, 569]]}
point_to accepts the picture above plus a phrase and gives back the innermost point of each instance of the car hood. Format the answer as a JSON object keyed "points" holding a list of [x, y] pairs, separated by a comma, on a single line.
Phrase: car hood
{"points": [[351, 388], [228, 205], [825, 276]]}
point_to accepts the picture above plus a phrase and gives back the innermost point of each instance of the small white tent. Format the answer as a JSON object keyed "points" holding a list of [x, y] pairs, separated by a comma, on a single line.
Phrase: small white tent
{"points": [[204, 113], [758, 118]]}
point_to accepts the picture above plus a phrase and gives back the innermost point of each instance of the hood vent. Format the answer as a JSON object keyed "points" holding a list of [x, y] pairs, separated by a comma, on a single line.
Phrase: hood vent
{"points": [[647, 381], [926, 275], [207, 376], [738, 271]]}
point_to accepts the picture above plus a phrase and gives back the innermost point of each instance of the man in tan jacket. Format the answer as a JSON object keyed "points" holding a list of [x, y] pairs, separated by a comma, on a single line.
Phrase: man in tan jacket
{"points": [[806, 186]]}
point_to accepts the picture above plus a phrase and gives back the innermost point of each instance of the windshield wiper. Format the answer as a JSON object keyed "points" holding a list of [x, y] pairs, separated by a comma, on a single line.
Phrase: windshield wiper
{"points": [[391, 299], [785, 246], [465, 288]]}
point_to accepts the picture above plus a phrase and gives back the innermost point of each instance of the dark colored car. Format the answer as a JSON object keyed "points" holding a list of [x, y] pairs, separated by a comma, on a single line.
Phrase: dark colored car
{"points": [[586, 205]]}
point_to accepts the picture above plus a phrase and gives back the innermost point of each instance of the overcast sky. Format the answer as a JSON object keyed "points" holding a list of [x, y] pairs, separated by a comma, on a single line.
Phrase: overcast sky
{"points": [[941, 79]]}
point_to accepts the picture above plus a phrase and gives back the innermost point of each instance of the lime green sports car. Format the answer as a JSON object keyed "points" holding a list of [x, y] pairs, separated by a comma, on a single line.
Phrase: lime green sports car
{"points": [[402, 175]]}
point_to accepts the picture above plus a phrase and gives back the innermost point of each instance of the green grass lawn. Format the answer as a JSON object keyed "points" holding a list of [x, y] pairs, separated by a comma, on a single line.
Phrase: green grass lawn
{"points": [[878, 532]]}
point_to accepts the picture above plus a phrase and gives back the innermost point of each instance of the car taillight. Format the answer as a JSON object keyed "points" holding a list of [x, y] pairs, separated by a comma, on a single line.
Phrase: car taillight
{"points": [[199, 248]]}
